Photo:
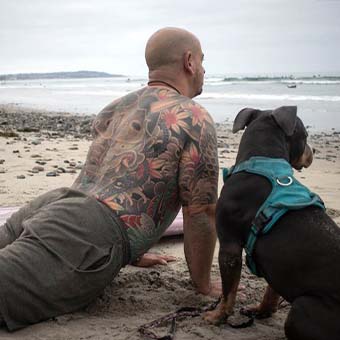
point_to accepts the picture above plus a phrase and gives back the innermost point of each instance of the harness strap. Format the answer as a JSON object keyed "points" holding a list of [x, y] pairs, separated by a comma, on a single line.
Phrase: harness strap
{"points": [[261, 225]]}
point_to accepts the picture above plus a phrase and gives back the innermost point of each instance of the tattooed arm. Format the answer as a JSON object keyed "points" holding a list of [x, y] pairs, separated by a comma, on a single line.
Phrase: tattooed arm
{"points": [[198, 190]]}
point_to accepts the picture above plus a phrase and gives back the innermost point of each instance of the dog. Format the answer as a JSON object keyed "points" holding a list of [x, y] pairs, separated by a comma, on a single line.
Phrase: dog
{"points": [[298, 256]]}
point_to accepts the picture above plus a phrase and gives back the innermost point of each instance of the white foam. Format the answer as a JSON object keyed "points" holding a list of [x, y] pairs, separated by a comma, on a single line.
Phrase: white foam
{"points": [[249, 96], [96, 93], [312, 82]]}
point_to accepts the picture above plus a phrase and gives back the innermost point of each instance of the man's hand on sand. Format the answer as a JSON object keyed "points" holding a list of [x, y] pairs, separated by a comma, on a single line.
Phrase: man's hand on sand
{"points": [[149, 260]]}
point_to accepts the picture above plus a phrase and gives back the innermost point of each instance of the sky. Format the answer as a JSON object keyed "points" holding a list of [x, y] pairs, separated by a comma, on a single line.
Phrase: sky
{"points": [[263, 37]]}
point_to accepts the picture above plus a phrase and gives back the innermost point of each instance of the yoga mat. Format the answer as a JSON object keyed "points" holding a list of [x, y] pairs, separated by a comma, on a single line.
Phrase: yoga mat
{"points": [[176, 228], [6, 212]]}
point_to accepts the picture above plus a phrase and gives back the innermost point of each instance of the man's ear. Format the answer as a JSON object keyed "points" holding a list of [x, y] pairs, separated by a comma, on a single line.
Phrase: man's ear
{"points": [[285, 117], [244, 118], [189, 62]]}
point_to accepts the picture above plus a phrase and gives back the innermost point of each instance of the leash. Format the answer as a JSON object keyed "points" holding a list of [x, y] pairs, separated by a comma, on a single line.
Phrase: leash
{"points": [[184, 312], [173, 317]]}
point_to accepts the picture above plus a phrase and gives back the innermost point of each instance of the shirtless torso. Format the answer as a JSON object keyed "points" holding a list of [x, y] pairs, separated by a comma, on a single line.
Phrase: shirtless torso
{"points": [[154, 151]]}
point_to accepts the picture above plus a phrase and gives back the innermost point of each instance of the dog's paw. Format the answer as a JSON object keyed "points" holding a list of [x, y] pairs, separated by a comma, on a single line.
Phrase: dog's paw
{"points": [[215, 317], [257, 312]]}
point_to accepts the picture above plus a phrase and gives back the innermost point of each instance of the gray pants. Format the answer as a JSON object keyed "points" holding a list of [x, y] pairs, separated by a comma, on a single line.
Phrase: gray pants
{"points": [[58, 253]]}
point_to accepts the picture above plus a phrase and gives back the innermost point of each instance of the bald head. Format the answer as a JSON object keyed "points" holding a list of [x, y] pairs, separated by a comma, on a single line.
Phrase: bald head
{"points": [[166, 47]]}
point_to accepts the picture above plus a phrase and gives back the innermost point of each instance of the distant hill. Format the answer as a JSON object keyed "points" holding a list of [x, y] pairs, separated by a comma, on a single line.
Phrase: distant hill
{"points": [[58, 75]]}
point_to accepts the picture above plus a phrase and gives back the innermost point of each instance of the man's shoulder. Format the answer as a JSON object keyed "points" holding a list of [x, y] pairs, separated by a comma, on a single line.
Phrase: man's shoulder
{"points": [[198, 112], [126, 100], [190, 104]]}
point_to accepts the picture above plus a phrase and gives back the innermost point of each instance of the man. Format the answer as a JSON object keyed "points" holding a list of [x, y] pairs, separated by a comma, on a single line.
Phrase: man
{"points": [[154, 150]]}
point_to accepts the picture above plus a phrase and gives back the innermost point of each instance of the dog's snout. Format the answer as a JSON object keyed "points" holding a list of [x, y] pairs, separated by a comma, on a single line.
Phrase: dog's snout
{"points": [[313, 150]]}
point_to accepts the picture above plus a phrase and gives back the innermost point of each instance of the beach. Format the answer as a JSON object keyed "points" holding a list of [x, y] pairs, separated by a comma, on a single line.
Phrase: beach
{"points": [[42, 150]]}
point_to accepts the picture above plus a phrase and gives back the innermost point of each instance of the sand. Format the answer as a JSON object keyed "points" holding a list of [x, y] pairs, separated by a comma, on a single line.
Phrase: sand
{"points": [[138, 296]]}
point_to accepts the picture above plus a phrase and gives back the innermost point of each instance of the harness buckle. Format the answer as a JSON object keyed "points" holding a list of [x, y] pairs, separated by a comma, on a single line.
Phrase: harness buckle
{"points": [[259, 222]]}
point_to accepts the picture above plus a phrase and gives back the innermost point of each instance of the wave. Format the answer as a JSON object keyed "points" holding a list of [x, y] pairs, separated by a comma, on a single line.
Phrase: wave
{"points": [[282, 78], [76, 85], [106, 93], [275, 97], [296, 82], [232, 81], [315, 80], [312, 82]]}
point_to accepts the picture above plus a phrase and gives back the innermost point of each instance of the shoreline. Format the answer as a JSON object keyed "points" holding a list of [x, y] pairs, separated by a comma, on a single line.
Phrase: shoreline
{"points": [[34, 143]]}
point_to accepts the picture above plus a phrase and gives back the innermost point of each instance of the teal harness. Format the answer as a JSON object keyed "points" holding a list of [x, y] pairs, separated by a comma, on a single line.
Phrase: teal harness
{"points": [[287, 194]]}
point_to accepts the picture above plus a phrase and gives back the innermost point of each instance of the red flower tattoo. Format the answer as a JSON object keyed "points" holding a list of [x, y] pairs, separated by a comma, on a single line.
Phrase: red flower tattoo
{"points": [[175, 121]]}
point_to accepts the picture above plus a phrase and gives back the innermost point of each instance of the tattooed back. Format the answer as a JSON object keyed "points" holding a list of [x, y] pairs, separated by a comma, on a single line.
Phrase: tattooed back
{"points": [[153, 151]]}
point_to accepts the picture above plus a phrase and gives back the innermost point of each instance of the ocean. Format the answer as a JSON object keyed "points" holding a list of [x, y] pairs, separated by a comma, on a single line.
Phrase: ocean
{"points": [[317, 98]]}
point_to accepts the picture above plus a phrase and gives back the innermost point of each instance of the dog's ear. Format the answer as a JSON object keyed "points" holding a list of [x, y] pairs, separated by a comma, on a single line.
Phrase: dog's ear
{"points": [[285, 117], [244, 118]]}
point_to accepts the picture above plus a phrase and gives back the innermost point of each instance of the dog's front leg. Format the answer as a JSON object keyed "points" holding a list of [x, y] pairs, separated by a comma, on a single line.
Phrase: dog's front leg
{"points": [[266, 308], [230, 262]]}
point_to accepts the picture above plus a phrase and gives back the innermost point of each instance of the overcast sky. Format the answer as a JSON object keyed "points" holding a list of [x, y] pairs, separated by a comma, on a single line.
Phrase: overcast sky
{"points": [[239, 36]]}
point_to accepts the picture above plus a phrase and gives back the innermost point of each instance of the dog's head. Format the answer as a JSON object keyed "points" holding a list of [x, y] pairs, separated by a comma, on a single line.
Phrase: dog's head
{"points": [[283, 119]]}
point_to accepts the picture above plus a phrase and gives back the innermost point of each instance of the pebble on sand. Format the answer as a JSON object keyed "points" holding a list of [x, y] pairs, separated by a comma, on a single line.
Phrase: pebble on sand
{"points": [[52, 174]]}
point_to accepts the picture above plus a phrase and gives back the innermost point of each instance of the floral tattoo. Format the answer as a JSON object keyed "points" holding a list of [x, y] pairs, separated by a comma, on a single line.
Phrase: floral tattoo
{"points": [[153, 151]]}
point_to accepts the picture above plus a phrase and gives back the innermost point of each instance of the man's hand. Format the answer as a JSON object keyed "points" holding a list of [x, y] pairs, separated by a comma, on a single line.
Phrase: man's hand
{"points": [[149, 260]]}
